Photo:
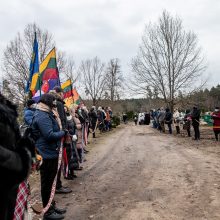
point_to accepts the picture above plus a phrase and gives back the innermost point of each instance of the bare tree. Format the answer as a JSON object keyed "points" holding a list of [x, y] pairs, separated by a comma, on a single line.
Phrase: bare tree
{"points": [[169, 59], [94, 78], [114, 79], [17, 57], [70, 71]]}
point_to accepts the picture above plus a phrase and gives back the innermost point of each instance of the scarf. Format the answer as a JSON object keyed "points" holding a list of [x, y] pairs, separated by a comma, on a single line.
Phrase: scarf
{"points": [[57, 117], [43, 107]]}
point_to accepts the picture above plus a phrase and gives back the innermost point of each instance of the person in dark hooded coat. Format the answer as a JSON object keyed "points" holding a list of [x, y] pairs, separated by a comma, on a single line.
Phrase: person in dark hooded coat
{"points": [[15, 158], [169, 119], [195, 115]]}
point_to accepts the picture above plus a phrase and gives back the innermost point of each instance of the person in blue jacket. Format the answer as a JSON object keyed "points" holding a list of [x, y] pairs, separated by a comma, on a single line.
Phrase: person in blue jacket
{"points": [[46, 125], [29, 111]]}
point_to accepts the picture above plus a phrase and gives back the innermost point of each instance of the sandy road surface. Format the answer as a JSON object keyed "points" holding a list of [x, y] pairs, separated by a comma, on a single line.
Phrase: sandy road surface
{"points": [[137, 173]]}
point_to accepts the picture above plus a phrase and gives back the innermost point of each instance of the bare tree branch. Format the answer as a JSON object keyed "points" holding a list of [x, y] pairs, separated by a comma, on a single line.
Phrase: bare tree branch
{"points": [[168, 59]]}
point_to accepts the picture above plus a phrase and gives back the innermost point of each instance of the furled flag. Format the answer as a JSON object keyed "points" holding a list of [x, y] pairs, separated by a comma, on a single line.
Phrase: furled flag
{"points": [[68, 92], [48, 77], [34, 66]]}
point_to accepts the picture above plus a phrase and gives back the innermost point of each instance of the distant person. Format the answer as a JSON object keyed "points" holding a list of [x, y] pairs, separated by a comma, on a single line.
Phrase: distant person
{"points": [[196, 122], [168, 119], [187, 122], [216, 122], [135, 119], [146, 118], [176, 120], [161, 119], [125, 118], [93, 118], [15, 161]]}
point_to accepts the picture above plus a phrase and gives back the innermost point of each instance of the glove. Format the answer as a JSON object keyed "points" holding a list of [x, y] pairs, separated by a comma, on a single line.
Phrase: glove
{"points": [[74, 138]]}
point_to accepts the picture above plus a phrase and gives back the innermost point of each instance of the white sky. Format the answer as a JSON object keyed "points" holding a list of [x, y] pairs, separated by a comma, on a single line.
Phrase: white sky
{"points": [[111, 28]]}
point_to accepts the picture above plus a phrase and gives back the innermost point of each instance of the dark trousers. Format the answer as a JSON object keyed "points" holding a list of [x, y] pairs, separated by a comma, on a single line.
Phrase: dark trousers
{"points": [[188, 132], [178, 129], [170, 128], [216, 134], [59, 182], [197, 132], [48, 172]]}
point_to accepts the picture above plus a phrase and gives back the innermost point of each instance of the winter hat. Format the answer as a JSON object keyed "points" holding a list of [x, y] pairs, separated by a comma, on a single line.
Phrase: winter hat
{"points": [[47, 99]]}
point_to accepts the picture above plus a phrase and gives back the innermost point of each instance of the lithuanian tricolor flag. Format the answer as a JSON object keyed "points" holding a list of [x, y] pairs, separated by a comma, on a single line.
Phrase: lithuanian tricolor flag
{"points": [[68, 92], [48, 76]]}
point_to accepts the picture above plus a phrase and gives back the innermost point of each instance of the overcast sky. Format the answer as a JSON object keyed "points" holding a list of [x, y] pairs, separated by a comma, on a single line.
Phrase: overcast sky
{"points": [[111, 28]]}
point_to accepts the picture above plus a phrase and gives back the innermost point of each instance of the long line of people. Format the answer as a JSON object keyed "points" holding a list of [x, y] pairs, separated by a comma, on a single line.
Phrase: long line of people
{"points": [[188, 119], [56, 123]]}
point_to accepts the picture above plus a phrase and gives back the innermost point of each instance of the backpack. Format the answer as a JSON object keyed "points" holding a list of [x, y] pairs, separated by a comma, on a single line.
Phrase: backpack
{"points": [[28, 132]]}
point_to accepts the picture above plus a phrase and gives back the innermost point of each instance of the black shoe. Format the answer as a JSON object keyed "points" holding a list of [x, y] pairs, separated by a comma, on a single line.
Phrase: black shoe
{"points": [[59, 210], [52, 215], [79, 168], [69, 178], [63, 190]]}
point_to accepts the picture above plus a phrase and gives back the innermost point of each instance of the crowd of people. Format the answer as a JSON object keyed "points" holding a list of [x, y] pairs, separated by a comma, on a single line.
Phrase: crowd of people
{"points": [[190, 118], [54, 134]]}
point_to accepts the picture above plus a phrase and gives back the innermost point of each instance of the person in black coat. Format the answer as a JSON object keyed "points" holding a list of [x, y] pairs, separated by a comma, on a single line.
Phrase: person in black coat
{"points": [[169, 119], [93, 120], [58, 94], [195, 115], [15, 158]]}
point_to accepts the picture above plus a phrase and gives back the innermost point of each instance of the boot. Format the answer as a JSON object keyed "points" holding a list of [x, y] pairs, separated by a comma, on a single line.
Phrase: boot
{"points": [[52, 215]]}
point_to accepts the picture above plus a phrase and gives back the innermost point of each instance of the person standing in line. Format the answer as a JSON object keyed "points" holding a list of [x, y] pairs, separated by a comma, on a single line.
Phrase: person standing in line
{"points": [[48, 144], [135, 119], [161, 120], [93, 120], [79, 142], [216, 122], [70, 161], [168, 120], [187, 122], [15, 159], [107, 119], [58, 94], [196, 122], [176, 120]]}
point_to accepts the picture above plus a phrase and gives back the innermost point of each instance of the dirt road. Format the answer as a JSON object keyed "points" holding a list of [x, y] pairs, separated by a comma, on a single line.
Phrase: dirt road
{"points": [[138, 173]]}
